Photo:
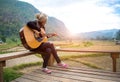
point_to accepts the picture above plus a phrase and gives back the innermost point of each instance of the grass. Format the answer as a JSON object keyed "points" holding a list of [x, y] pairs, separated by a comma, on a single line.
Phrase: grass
{"points": [[5, 46], [86, 63], [87, 43], [3, 52], [67, 55], [74, 44], [38, 55], [12, 73], [22, 66], [74, 55]]}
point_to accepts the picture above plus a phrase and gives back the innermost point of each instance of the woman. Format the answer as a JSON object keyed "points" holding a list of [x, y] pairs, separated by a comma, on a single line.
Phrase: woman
{"points": [[46, 47]]}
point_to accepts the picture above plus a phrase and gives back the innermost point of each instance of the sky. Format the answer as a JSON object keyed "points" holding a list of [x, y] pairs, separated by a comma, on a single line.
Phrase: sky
{"points": [[82, 15]]}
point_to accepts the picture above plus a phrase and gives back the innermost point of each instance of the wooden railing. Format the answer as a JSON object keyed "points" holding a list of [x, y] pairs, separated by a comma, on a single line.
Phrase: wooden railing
{"points": [[3, 57], [114, 54]]}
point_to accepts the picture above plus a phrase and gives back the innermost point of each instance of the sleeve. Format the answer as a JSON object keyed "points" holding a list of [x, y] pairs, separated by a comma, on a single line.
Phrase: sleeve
{"points": [[33, 25]]}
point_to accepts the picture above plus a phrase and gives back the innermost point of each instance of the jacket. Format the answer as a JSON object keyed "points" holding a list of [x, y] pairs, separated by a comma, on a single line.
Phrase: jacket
{"points": [[34, 25]]}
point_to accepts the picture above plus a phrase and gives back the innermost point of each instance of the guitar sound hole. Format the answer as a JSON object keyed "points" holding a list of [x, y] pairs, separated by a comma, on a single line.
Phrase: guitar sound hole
{"points": [[39, 39]]}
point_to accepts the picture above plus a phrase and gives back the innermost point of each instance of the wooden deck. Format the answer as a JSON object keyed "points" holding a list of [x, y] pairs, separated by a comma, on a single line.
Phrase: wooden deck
{"points": [[60, 75], [70, 75]]}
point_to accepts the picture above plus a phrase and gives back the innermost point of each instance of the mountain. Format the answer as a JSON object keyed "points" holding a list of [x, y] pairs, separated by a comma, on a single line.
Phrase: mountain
{"points": [[55, 25], [102, 34], [14, 14]]}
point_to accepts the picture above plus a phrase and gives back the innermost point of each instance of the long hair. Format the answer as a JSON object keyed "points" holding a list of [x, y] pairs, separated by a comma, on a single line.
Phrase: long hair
{"points": [[41, 16]]}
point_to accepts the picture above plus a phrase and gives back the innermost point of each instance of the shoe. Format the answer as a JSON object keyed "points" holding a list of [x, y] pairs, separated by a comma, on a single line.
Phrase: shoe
{"points": [[63, 65], [46, 70]]}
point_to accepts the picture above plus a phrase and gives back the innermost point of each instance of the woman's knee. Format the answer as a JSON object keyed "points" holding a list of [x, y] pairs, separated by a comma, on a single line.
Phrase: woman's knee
{"points": [[52, 44], [48, 50], [48, 44]]}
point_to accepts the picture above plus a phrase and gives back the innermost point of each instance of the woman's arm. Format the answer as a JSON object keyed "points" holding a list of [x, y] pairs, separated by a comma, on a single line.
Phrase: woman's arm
{"points": [[33, 25], [51, 35]]}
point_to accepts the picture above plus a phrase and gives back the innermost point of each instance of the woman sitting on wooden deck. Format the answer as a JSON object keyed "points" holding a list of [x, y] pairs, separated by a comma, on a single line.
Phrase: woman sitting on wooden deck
{"points": [[47, 47]]}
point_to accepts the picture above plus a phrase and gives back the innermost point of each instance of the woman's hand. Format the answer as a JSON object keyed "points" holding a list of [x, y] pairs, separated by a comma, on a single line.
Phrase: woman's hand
{"points": [[51, 34], [43, 33], [54, 34]]}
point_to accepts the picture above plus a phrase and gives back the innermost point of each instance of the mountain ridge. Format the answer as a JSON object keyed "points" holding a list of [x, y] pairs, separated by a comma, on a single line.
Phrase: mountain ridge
{"points": [[101, 34], [15, 14]]}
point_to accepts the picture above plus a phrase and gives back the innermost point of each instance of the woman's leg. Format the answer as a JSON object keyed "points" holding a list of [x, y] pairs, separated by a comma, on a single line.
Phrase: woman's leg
{"points": [[46, 57], [61, 64], [52, 48], [49, 48], [54, 52]]}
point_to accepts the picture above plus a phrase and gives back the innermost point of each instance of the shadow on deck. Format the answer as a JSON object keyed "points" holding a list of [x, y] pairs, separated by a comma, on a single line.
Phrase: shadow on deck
{"points": [[70, 75]]}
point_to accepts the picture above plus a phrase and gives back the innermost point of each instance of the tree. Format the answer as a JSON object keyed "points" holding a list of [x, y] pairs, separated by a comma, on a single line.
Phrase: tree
{"points": [[3, 38], [118, 35]]}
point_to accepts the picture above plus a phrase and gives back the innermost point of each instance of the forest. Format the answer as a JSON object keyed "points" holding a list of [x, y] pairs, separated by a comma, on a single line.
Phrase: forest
{"points": [[15, 14]]}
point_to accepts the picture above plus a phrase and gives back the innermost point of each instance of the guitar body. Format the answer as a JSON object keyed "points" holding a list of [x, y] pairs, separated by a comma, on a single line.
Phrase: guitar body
{"points": [[29, 40]]}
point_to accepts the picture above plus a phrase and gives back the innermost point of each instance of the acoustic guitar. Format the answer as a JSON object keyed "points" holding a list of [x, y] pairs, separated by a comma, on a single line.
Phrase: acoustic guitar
{"points": [[31, 39]]}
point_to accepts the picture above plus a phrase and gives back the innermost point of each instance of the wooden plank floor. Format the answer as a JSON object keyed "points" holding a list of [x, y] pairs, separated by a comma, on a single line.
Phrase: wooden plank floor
{"points": [[70, 75]]}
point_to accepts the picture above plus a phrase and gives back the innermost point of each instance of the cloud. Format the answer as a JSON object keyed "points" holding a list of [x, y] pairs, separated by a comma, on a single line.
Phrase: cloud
{"points": [[81, 15]]}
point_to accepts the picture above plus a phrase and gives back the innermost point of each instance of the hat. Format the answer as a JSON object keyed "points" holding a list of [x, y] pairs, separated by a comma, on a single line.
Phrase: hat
{"points": [[41, 16]]}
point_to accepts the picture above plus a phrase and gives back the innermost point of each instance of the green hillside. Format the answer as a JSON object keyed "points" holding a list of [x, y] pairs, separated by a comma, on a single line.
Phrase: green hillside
{"points": [[14, 14]]}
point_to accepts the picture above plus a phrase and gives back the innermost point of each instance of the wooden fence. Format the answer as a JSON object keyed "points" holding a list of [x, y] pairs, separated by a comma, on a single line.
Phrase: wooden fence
{"points": [[3, 57]]}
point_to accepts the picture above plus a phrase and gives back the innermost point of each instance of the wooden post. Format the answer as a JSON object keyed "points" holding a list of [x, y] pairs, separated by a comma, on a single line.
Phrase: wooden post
{"points": [[2, 64], [114, 57], [51, 60]]}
